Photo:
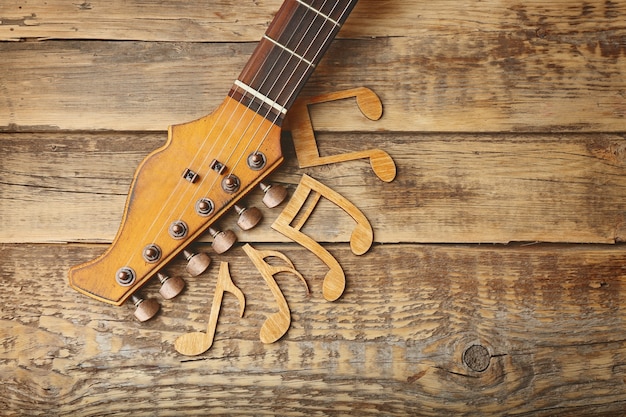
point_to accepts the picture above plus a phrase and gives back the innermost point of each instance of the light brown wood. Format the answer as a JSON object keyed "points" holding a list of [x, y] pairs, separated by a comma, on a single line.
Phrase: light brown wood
{"points": [[360, 240], [304, 138], [150, 20], [454, 188], [226, 20], [551, 318], [196, 343], [277, 324], [488, 66], [506, 122]]}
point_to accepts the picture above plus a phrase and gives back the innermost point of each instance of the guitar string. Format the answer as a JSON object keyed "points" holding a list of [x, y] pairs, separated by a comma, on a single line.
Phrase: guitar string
{"points": [[245, 131], [217, 119], [181, 181], [294, 71], [262, 86], [304, 73], [291, 95], [300, 61], [269, 110]]}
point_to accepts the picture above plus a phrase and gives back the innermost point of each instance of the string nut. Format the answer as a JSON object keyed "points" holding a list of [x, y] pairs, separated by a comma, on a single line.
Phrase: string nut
{"points": [[248, 217], [222, 241], [274, 194], [197, 263], [145, 309], [170, 287]]}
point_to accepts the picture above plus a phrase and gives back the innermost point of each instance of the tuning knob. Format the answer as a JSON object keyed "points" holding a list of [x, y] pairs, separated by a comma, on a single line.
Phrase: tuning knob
{"points": [[222, 241], [170, 287], [274, 194], [248, 217], [197, 263], [145, 309]]}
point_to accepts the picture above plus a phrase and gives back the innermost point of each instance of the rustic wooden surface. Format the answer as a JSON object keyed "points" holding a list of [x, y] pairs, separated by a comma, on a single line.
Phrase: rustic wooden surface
{"points": [[496, 281]]}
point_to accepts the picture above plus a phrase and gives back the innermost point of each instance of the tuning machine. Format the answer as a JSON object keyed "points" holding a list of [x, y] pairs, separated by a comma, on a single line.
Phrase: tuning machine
{"points": [[145, 309], [249, 217], [222, 241], [197, 263], [274, 194], [170, 286]]}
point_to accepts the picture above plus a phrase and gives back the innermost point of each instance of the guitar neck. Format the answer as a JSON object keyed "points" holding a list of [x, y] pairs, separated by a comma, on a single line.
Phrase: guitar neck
{"points": [[288, 53]]}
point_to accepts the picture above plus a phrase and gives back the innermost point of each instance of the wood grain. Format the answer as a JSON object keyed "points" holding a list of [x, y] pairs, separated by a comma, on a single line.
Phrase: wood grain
{"points": [[461, 188], [485, 67], [550, 317], [228, 21], [506, 122]]}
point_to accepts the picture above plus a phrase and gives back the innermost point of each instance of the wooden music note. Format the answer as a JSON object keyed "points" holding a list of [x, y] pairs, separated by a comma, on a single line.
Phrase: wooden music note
{"points": [[195, 343], [360, 240], [277, 324], [304, 141]]}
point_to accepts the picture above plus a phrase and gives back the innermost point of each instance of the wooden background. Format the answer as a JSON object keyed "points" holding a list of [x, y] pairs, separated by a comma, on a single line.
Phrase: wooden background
{"points": [[497, 281]]}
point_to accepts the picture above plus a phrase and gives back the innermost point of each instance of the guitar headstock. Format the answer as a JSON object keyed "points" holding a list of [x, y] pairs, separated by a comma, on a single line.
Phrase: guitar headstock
{"points": [[178, 192]]}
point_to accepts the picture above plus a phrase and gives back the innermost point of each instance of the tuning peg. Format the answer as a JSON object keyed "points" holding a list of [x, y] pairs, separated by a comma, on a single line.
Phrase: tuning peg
{"points": [[170, 287], [274, 194], [145, 309], [222, 241], [248, 217], [197, 263]]}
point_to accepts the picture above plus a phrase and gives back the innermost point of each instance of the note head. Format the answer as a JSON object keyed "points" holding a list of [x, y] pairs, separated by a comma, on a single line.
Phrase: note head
{"points": [[192, 344], [383, 165]]}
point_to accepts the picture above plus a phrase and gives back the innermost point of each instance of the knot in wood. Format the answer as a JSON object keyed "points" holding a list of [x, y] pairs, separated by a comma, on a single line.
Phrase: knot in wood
{"points": [[477, 358]]}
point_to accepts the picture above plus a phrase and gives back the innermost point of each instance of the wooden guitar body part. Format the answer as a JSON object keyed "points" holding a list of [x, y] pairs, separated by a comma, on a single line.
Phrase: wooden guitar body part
{"points": [[277, 324], [177, 193], [360, 240], [196, 343], [305, 144]]}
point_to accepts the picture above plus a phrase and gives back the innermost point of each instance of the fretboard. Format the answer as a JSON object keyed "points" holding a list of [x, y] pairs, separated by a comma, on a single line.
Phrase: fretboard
{"points": [[288, 53]]}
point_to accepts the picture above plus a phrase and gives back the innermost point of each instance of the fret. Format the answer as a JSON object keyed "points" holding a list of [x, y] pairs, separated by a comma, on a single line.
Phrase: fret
{"points": [[335, 10], [288, 53], [295, 54], [319, 12], [305, 33], [279, 74]]}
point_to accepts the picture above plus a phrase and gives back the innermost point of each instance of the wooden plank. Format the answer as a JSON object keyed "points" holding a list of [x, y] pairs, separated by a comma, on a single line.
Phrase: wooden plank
{"points": [[470, 81], [431, 330], [549, 318], [229, 20], [450, 188], [147, 20]]}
